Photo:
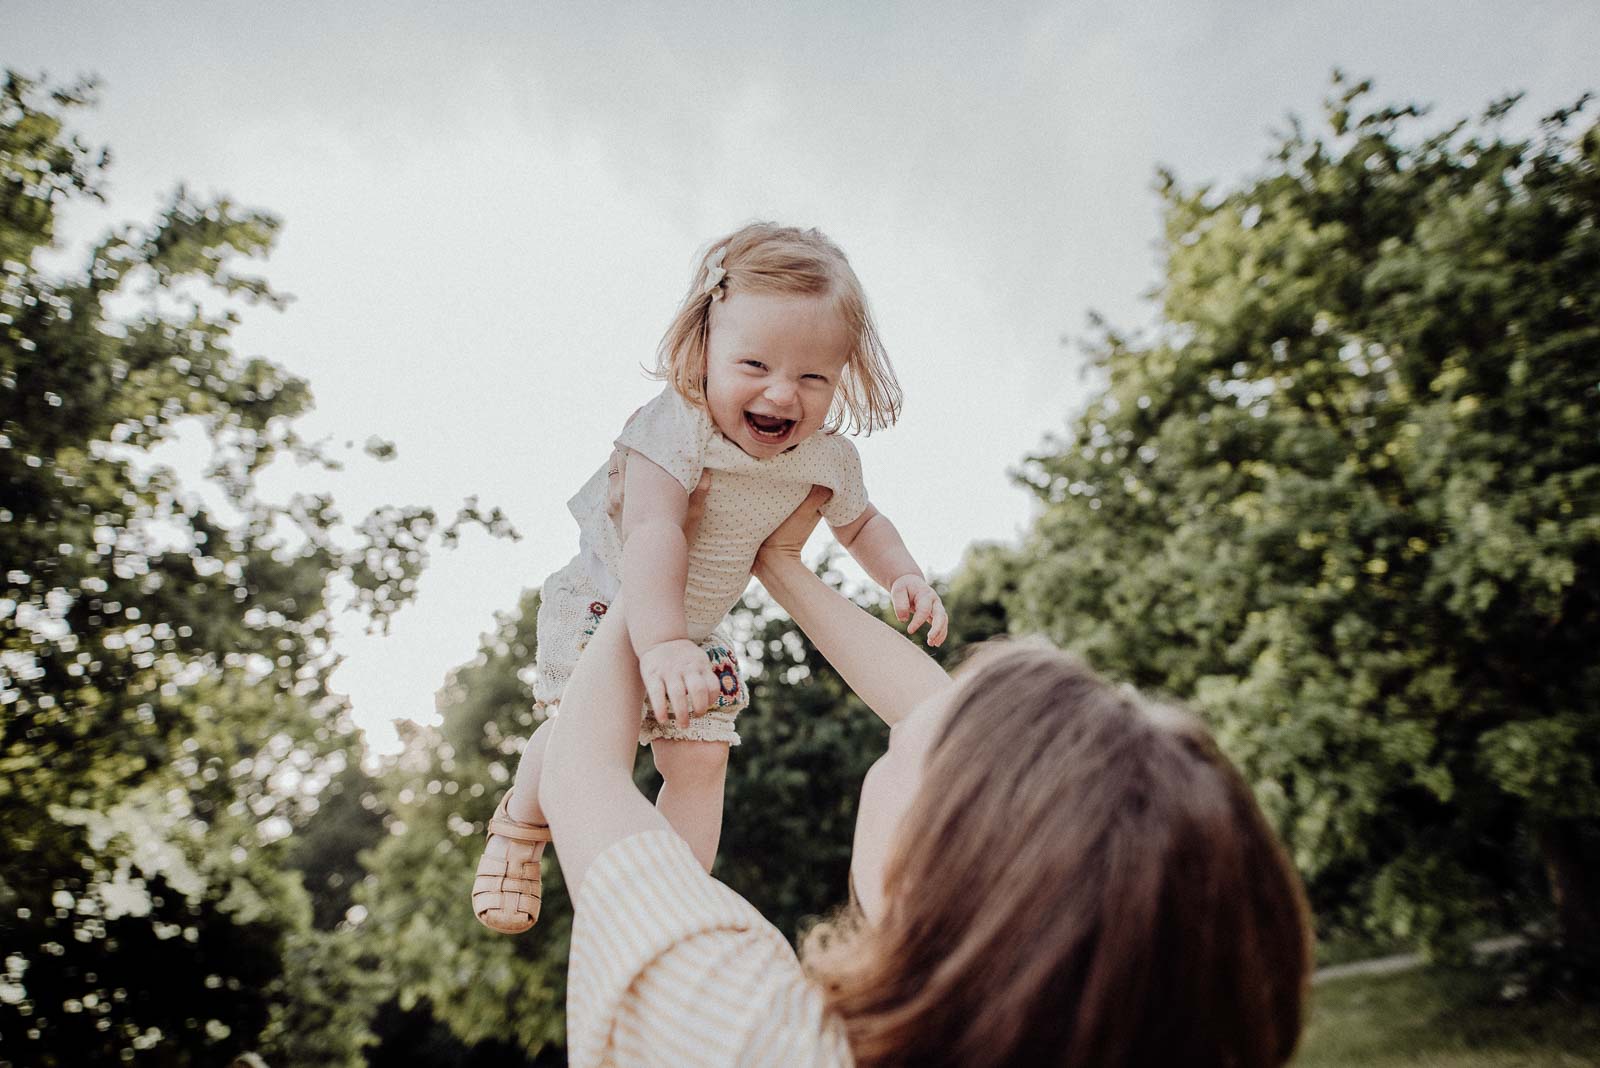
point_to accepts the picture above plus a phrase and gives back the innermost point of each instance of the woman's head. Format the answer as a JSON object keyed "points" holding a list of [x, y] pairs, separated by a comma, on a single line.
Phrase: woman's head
{"points": [[1074, 876], [774, 338]]}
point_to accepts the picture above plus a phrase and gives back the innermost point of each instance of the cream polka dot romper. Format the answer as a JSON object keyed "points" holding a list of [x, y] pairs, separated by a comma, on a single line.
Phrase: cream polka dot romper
{"points": [[745, 502]]}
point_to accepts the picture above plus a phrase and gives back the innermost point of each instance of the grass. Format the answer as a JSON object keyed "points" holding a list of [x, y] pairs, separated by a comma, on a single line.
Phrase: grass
{"points": [[1443, 1018]]}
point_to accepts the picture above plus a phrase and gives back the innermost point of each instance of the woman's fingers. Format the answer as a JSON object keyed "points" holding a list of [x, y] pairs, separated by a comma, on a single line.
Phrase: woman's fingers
{"points": [[616, 473], [616, 478], [810, 510], [792, 533], [697, 506]]}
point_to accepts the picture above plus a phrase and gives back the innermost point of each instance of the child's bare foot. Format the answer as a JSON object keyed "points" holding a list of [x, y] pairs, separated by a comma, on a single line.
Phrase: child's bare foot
{"points": [[507, 888]]}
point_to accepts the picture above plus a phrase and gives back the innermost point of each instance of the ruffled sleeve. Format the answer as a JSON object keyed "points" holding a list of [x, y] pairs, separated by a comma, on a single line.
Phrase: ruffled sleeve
{"points": [[671, 433]]}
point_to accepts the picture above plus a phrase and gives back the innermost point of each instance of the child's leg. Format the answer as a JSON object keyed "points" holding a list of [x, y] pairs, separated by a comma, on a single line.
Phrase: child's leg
{"points": [[524, 804], [506, 887], [693, 774], [569, 613]]}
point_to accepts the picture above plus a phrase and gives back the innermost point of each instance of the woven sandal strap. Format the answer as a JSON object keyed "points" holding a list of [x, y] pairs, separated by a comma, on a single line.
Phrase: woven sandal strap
{"points": [[504, 868], [517, 831]]}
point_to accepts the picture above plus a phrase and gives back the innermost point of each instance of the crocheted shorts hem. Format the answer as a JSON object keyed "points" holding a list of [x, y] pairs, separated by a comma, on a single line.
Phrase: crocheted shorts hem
{"points": [[556, 622], [716, 726]]}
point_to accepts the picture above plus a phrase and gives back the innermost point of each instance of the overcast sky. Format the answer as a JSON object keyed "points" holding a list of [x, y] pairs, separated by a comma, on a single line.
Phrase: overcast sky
{"points": [[491, 210]]}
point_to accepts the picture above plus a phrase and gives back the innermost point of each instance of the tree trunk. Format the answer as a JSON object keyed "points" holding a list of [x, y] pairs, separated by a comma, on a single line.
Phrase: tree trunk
{"points": [[1572, 862]]}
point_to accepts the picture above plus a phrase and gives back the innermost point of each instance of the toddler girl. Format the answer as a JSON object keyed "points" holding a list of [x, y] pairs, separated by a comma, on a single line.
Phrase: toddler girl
{"points": [[772, 353]]}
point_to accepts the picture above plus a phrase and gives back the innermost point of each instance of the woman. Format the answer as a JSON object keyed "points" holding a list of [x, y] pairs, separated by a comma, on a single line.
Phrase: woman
{"points": [[1050, 871]]}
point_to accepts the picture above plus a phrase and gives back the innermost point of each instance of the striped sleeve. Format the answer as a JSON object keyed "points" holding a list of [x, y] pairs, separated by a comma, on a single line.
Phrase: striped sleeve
{"points": [[670, 967]]}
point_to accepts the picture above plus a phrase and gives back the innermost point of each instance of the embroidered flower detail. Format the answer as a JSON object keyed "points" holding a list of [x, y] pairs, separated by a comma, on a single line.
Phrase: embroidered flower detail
{"points": [[727, 671], [596, 610]]}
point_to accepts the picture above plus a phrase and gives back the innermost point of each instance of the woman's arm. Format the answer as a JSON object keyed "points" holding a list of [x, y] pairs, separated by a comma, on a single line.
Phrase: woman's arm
{"points": [[883, 667], [586, 787]]}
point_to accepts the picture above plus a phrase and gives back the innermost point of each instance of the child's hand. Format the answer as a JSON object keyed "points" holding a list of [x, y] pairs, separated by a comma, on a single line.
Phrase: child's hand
{"points": [[914, 598], [678, 679]]}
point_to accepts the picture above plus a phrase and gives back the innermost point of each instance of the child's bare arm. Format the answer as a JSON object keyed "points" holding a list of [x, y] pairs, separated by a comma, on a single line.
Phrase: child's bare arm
{"points": [[655, 569], [655, 553], [877, 546]]}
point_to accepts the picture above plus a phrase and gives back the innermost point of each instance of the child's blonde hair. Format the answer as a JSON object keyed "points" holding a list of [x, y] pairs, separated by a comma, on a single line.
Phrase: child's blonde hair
{"points": [[767, 258]]}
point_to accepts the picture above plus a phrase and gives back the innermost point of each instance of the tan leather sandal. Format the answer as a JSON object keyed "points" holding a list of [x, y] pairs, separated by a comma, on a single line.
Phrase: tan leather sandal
{"points": [[506, 890]]}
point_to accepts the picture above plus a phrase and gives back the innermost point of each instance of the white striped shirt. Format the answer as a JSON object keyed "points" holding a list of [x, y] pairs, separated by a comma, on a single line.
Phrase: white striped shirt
{"points": [[670, 967]]}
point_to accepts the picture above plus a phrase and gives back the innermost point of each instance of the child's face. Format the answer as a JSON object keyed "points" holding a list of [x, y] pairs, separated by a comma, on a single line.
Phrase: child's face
{"points": [[772, 364]]}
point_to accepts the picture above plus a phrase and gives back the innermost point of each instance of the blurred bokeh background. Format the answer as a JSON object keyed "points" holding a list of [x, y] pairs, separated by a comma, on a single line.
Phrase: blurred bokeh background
{"points": [[1251, 349]]}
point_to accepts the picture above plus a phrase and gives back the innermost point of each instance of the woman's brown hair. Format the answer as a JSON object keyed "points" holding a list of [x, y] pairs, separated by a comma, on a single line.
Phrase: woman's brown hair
{"points": [[767, 258], [1082, 880]]}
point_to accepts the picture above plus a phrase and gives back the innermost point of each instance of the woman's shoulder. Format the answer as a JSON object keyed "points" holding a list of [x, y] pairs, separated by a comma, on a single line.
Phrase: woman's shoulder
{"points": [[655, 864], [667, 959]]}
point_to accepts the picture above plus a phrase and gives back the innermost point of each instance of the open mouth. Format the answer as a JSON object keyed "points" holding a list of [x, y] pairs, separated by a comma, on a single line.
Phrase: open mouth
{"points": [[767, 428]]}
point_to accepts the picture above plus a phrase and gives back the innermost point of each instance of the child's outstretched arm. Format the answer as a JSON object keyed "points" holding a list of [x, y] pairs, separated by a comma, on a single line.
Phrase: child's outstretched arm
{"points": [[877, 546], [655, 570]]}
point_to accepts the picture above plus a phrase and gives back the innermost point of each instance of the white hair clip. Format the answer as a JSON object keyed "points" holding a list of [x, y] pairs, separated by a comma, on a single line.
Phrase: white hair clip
{"points": [[714, 273]]}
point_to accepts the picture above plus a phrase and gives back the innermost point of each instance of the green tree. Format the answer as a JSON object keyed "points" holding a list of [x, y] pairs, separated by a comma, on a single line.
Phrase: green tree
{"points": [[326, 847], [1346, 499], [440, 793], [164, 662]]}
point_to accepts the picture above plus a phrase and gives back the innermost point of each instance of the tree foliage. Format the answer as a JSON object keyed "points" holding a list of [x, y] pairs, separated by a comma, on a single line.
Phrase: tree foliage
{"points": [[1346, 499], [164, 652], [440, 793]]}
